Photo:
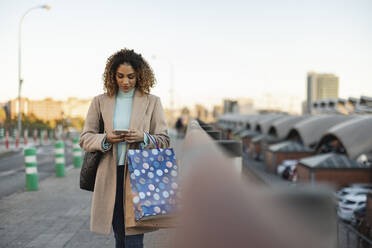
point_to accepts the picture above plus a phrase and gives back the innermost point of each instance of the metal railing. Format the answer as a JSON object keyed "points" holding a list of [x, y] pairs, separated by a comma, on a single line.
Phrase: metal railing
{"points": [[309, 208], [350, 237]]}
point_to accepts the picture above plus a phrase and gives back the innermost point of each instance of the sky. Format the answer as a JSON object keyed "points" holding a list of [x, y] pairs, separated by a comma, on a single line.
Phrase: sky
{"points": [[218, 49]]}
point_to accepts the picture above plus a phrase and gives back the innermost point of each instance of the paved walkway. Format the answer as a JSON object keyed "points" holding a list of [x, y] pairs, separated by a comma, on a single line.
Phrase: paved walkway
{"points": [[56, 216], [7, 152], [4, 152]]}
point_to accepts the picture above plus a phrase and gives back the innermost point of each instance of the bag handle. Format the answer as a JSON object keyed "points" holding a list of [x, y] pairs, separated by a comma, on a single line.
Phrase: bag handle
{"points": [[153, 140]]}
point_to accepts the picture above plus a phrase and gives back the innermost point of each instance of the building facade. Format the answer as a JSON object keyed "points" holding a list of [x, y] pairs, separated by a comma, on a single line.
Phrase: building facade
{"points": [[46, 110], [216, 112], [246, 106], [230, 106], [319, 87], [201, 113], [76, 108], [49, 109]]}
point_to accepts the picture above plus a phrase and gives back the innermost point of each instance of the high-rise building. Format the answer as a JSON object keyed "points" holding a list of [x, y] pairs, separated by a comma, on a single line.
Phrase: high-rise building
{"points": [[238, 106], [216, 112], [320, 86], [201, 113], [230, 106]]}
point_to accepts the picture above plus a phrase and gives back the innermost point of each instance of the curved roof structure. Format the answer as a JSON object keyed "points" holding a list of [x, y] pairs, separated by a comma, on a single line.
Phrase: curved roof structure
{"points": [[264, 138], [246, 119], [331, 161], [251, 123], [248, 133], [354, 135], [313, 128], [280, 128], [227, 121], [262, 125], [228, 117], [289, 146], [232, 121]]}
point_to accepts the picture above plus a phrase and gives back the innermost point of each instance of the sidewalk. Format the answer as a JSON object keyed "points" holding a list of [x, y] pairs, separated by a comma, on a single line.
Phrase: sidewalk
{"points": [[56, 216], [13, 149], [6, 152]]}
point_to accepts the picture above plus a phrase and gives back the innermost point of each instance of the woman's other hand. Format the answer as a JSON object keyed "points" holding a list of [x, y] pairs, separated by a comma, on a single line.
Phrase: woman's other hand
{"points": [[134, 136], [115, 138]]}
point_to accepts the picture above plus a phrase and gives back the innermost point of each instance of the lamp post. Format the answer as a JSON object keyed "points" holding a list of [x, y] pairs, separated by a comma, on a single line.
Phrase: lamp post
{"points": [[171, 89], [20, 80]]}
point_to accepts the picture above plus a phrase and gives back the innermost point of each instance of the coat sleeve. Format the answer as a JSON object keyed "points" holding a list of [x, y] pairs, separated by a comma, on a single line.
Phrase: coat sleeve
{"points": [[158, 126], [90, 140]]}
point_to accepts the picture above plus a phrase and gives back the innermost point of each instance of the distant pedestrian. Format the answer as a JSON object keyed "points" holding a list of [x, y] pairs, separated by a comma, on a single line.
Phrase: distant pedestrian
{"points": [[180, 127], [126, 104], [229, 134]]}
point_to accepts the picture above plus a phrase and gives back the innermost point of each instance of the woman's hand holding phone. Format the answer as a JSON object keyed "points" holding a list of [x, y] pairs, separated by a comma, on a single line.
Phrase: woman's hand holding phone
{"points": [[127, 135], [134, 136], [117, 136]]}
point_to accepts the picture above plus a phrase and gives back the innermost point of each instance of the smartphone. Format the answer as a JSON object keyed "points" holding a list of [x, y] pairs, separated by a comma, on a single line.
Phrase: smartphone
{"points": [[121, 131]]}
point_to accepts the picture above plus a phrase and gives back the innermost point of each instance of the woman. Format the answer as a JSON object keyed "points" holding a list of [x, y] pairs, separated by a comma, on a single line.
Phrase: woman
{"points": [[126, 104]]}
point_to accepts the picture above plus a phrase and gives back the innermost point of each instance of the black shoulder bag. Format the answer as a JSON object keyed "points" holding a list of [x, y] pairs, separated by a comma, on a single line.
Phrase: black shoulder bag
{"points": [[90, 164]]}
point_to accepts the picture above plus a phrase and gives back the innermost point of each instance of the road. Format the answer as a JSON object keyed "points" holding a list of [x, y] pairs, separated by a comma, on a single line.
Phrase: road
{"points": [[12, 169]]}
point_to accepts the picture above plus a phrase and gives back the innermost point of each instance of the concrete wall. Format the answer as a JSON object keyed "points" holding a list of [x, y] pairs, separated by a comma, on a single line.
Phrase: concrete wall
{"points": [[269, 160], [303, 173], [272, 159], [342, 178], [246, 141], [339, 178], [254, 149]]}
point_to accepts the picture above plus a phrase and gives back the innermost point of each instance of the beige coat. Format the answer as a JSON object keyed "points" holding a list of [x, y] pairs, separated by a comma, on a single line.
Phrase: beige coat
{"points": [[147, 115]]}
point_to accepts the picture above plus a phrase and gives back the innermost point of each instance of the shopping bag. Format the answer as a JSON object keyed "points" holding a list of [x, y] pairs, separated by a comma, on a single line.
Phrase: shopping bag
{"points": [[154, 182]]}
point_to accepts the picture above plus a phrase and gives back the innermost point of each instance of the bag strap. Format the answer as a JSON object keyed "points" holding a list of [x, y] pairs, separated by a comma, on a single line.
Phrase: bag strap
{"points": [[153, 140]]}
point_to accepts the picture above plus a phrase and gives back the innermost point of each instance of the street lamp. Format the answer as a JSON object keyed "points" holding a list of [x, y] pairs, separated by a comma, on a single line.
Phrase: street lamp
{"points": [[20, 80]]}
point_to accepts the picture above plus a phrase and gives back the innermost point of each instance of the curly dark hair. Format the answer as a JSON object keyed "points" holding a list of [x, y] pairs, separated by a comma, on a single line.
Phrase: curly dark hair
{"points": [[144, 74]]}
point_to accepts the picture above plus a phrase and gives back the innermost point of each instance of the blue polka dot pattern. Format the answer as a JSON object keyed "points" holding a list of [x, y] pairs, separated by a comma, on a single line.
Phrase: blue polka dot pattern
{"points": [[154, 181]]}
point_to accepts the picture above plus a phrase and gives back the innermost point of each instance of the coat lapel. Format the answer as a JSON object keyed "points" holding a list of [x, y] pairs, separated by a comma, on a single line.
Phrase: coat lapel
{"points": [[108, 112], [140, 103], [108, 115]]}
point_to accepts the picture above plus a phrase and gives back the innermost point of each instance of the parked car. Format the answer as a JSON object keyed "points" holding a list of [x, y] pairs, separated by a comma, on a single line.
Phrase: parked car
{"points": [[285, 164], [358, 215], [361, 185], [288, 170], [354, 189], [290, 173], [349, 204]]}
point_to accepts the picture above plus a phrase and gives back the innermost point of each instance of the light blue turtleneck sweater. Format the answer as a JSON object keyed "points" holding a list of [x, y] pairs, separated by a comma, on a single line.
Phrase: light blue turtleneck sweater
{"points": [[122, 112]]}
